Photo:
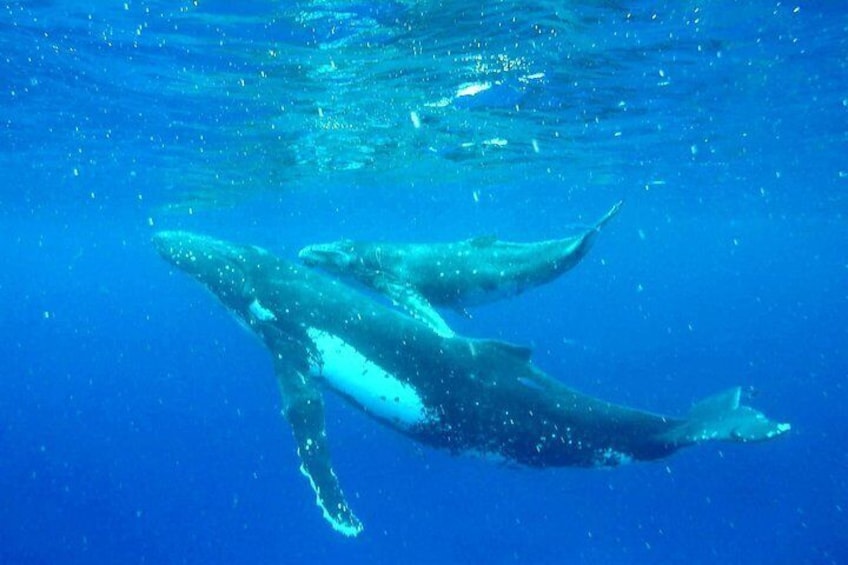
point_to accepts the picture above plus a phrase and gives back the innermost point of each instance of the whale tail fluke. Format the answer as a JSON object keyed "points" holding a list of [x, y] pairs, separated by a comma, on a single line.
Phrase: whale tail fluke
{"points": [[578, 245], [608, 216], [723, 417]]}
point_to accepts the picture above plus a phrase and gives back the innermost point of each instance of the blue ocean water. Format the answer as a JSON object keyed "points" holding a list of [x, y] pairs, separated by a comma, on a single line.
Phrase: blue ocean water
{"points": [[140, 424]]}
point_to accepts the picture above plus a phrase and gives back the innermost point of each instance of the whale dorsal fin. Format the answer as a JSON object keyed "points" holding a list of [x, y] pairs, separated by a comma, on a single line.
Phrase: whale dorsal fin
{"points": [[408, 297]]}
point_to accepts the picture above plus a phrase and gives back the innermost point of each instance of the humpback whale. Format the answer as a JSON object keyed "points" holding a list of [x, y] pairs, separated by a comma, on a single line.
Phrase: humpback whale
{"points": [[465, 395], [467, 273]]}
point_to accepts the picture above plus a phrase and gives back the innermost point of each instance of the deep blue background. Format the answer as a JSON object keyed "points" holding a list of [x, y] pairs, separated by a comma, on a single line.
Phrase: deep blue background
{"points": [[139, 424]]}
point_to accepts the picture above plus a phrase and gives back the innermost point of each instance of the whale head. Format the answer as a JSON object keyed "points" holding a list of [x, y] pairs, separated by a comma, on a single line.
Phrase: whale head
{"points": [[334, 257], [227, 269]]}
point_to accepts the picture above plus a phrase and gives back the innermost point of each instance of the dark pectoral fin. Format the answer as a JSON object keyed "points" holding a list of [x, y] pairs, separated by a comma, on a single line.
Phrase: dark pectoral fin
{"points": [[416, 305], [303, 407]]}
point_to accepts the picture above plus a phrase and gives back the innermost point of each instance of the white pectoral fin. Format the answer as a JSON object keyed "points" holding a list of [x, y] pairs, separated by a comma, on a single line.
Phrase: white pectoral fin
{"points": [[417, 306], [303, 407], [422, 310]]}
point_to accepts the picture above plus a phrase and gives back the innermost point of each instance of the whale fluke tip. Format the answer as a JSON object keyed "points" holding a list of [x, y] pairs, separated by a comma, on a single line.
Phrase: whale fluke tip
{"points": [[609, 215], [723, 417]]}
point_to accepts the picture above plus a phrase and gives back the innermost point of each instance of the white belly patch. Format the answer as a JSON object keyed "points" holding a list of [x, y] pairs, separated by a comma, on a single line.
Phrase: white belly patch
{"points": [[379, 392]]}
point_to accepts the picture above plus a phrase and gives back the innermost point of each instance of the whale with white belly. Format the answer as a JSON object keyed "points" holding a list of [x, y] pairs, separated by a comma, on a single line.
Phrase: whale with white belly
{"points": [[464, 395]]}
